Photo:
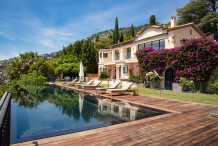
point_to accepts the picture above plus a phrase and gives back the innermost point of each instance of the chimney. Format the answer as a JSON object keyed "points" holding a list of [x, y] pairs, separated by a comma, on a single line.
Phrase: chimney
{"points": [[173, 21]]}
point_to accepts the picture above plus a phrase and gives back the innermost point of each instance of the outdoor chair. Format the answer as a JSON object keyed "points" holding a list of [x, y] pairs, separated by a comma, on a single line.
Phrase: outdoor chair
{"points": [[96, 84], [113, 86], [89, 83], [73, 81], [125, 89]]}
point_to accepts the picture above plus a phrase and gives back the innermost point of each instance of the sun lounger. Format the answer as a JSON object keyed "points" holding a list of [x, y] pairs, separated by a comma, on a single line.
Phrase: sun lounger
{"points": [[69, 82], [96, 84], [124, 89], [89, 83], [73, 84], [113, 86]]}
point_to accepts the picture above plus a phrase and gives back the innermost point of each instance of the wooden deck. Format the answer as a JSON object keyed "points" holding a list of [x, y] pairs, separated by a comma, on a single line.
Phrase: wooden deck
{"points": [[187, 124]]}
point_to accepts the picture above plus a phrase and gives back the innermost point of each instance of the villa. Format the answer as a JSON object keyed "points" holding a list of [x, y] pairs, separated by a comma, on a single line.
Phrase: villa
{"points": [[120, 60]]}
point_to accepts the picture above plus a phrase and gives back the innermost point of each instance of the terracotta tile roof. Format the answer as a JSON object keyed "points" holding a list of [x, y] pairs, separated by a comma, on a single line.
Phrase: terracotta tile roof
{"points": [[187, 25], [131, 40], [163, 28]]}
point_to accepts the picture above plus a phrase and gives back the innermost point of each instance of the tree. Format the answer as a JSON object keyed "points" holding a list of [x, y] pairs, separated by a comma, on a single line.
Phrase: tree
{"points": [[131, 31], [78, 49], [97, 38], [121, 37], [152, 20], [13, 70], [52, 64], [89, 56], [116, 32], [32, 78], [68, 65], [213, 4], [209, 19], [21, 65], [40, 67], [194, 12], [103, 43]]}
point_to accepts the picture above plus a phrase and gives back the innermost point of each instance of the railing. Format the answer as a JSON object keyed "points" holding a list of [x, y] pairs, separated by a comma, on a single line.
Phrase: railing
{"points": [[5, 118]]}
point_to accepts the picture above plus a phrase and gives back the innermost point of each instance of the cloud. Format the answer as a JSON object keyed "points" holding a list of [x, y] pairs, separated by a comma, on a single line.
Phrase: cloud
{"points": [[48, 31], [7, 36]]}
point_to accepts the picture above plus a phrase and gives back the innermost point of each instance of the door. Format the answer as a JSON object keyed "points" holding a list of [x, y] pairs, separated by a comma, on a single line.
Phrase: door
{"points": [[119, 72], [168, 79], [115, 73]]}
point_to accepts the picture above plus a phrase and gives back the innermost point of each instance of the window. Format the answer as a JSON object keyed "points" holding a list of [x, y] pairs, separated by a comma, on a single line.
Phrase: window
{"points": [[125, 69], [128, 55], [141, 46], [100, 54], [116, 109], [162, 44], [104, 69], [105, 55], [148, 45], [190, 32], [117, 55], [155, 45]]}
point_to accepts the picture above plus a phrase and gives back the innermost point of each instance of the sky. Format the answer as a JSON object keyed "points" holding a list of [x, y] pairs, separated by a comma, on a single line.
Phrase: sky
{"points": [[45, 26]]}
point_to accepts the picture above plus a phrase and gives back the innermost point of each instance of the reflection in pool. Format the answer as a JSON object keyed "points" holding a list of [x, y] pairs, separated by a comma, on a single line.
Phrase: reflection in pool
{"points": [[39, 112]]}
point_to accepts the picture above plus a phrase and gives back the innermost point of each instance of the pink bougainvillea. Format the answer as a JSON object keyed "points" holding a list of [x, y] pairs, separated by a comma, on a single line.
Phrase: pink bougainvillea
{"points": [[194, 60]]}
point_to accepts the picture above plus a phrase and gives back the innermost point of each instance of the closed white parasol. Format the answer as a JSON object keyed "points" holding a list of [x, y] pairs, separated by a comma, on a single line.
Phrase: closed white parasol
{"points": [[81, 72]]}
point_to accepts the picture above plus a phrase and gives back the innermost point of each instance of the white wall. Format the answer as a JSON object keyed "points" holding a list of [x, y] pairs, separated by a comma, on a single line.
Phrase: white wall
{"points": [[151, 32]]}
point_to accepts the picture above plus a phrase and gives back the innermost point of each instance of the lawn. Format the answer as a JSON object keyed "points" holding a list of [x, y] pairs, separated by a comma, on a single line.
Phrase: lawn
{"points": [[193, 97]]}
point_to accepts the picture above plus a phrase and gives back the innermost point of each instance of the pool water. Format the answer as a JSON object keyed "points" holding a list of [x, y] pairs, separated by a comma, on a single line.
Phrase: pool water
{"points": [[40, 112]]}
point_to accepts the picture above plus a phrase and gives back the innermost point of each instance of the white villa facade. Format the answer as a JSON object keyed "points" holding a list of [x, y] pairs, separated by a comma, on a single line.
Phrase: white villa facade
{"points": [[120, 60]]}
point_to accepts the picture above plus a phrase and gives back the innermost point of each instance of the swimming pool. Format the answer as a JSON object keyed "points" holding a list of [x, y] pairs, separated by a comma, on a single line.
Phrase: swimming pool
{"points": [[40, 112]]}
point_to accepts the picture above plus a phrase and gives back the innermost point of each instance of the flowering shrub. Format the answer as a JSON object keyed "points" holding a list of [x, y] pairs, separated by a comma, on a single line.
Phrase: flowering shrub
{"points": [[194, 60]]}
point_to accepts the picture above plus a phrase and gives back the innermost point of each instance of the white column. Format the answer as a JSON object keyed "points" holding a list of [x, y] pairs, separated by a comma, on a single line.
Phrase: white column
{"points": [[121, 54], [120, 111], [113, 56], [121, 71]]}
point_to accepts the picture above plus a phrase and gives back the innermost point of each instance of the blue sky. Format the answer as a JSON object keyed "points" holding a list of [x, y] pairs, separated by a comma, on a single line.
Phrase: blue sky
{"points": [[45, 26]]}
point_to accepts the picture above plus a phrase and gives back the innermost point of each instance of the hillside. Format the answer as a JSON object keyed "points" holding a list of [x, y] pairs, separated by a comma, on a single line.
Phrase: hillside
{"points": [[102, 34], [124, 30]]}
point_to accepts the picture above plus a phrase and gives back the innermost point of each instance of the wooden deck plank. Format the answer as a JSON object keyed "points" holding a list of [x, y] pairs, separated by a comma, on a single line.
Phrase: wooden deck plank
{"points": [[188, 123]]}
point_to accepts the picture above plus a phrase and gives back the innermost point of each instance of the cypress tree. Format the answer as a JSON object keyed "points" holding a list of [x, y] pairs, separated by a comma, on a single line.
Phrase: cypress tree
{"points": [[132, 31], [121, 37], [97, 38], [152, 20], [116, 31]]}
